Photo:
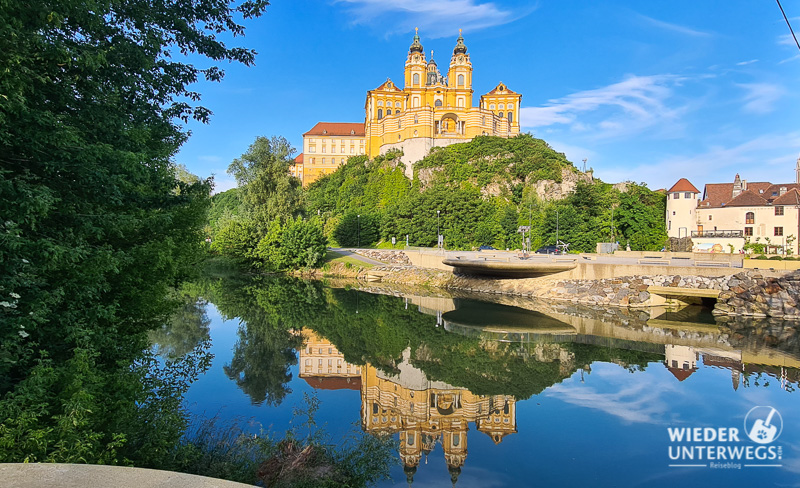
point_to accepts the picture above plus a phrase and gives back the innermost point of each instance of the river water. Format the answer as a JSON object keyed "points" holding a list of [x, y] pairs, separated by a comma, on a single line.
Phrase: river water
{"points": [[494, 391]]}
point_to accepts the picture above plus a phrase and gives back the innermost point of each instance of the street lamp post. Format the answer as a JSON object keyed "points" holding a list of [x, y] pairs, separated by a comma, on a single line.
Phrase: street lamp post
{"points": [[438, 232], [358, 226]]}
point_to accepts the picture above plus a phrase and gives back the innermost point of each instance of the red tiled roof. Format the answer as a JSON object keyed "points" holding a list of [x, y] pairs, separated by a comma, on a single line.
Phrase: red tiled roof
{"points": [[721, 194], [337, 129], [334, 382], [747, 199], [759, 187], [299, 159], [681, 374], [683, 185], [791, 197], [716, 194], [774, 191]]}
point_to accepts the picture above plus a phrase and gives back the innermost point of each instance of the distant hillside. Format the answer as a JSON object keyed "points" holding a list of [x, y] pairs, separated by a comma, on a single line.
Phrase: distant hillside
{"points": [[479, 193], [486, 160]]}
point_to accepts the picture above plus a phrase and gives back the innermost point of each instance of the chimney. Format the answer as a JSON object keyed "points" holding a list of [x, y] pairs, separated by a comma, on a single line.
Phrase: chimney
{"points": [[737, 186]]}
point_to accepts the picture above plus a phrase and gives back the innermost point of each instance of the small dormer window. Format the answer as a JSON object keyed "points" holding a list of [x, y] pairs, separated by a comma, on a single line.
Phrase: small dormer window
{"points": [[324, 131], [352, 132], [760, 191]]}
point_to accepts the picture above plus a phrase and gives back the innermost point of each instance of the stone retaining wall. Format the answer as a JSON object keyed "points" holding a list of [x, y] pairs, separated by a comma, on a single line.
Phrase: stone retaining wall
{"points": [[390, 256], [751, 294], [747, 293], [626, 291]]}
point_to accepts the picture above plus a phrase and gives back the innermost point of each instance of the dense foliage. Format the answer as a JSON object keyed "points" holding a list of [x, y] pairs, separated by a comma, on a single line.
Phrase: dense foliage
{"points": [[480, 193], [225, 206], [488, 159], [262, 224], [98, 225]]}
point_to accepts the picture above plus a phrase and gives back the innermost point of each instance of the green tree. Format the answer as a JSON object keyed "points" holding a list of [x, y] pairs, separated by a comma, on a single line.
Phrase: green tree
{"points": [[96, 223], [357, 229], [297, 244], [269, 192]]}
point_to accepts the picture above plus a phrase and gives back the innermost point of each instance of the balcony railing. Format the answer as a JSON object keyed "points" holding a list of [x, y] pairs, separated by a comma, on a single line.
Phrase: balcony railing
{"points": [[718, 233]]}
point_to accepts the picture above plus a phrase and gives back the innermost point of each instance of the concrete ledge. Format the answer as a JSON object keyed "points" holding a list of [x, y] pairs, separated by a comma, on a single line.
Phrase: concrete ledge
{"points": [[37, 475], [684, 292]]}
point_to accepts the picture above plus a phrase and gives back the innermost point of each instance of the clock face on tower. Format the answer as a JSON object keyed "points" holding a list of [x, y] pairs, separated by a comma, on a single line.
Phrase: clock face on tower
{"points": [[461, 59]]}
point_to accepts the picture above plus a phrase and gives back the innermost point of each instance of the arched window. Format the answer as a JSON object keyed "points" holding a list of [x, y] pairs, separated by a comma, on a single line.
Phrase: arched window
{"points": [[380, 113], [416, 119], [501, 115], [491, 106], [749, 218], [510, 117], [397, 104], [388, 112], [415, 79], [415, 102], [501, 107], [460, 102], [438, 103], [460, 80], [380, 103]]}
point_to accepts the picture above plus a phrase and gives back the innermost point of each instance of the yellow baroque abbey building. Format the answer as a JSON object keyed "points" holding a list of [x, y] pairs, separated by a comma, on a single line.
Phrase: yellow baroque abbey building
{"points": [[431, 110], [424, 413]]}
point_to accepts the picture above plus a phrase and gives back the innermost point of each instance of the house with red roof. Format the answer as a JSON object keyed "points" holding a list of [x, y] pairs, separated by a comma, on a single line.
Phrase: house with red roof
{"points": [[728, 215]]}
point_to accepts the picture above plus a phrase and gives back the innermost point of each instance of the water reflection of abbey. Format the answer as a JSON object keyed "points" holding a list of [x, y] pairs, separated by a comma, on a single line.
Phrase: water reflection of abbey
{"points": [[423, 412]]}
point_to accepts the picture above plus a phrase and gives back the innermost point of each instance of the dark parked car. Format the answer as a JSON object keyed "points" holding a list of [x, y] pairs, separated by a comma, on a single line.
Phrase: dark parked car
{"points": [[486, 248], [548, 250]]}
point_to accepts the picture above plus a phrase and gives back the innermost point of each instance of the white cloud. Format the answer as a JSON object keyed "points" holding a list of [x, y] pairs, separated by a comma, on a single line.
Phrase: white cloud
{"points": [[719, 163], [434, 18], [680, 29], [574, 153], [626, 107], [223, 182], [636, 398], [786, 40], [793, 58], [745, 63], [761, 97]]}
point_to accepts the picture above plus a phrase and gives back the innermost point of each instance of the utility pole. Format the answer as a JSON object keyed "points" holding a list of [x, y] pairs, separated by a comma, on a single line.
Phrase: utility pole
{"points": [[584, 165]]}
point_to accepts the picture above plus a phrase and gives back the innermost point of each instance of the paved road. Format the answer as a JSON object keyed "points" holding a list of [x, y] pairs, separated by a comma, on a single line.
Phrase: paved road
{"points": [[349, 252]]}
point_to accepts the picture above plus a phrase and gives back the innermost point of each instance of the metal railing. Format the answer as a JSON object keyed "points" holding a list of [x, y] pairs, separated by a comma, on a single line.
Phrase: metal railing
{"points": [[717, 233]]}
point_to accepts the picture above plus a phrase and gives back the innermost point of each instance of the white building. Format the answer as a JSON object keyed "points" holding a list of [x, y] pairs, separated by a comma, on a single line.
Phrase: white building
{"points": [[731, 214]]}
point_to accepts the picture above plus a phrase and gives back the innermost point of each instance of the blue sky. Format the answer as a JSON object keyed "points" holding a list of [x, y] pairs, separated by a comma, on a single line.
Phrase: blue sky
{"points": [[645, 91]]}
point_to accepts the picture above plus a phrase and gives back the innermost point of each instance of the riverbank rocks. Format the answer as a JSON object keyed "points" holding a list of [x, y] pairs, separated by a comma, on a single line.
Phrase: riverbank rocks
{"points": [[388, 256], [626, 291], [751, 294]]}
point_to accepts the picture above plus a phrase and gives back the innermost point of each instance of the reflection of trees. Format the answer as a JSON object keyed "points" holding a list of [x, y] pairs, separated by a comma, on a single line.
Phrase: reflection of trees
{"points": [[376, 329], [269, 310], [187, 328], [261, 360]]}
